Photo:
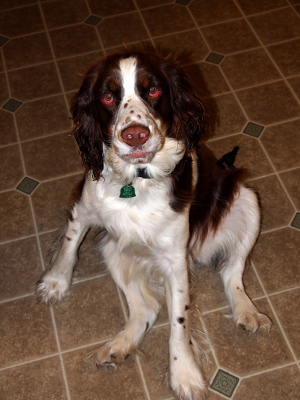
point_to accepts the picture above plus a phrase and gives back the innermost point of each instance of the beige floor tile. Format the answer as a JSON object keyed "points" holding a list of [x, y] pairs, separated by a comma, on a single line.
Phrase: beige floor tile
{"points": [[88, 382], [287, 307], [8, 130], [26, 330], [21, 21], [213, 12], [276, 26], [51, 157], [285, 56], [269, 103], [11, 169], [20, 268], [282, 144], [104, 9], [43, 117], [91, 313], [60, 13], [240, 352], [291, 181], [249, 68], [15, 215], [230, 37], [276, 208], [257, 6], [50, 202], [276, 257], [275, 385], [40, 380], [250, 155]]}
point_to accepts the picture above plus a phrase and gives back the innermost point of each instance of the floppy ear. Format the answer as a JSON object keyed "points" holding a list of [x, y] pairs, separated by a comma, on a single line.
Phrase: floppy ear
{"points": [[189, 114], [86, 126]]}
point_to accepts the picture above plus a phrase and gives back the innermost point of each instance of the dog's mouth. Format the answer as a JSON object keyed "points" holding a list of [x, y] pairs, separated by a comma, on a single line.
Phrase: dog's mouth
{"points": [[139, 154]]}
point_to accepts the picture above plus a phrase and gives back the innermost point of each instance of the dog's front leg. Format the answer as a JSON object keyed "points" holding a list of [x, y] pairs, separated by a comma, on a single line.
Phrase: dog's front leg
{"points": [[186, 378], [55, 282]]}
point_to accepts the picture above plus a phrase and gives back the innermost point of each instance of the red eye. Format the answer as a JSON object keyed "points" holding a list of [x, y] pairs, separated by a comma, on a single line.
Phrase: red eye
{"points": [[154, 92], [108, 99]]}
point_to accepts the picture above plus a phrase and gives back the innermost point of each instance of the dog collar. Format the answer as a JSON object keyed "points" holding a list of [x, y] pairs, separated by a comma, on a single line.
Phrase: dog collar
{"points": [[128, 191]]}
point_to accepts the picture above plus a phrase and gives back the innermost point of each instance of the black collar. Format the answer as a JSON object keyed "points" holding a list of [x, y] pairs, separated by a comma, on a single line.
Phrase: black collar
{"points": [[142, 173]]}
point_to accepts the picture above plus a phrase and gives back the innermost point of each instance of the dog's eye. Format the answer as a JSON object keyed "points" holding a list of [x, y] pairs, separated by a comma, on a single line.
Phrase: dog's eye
{"points": [[154, 92], [108, 98]]}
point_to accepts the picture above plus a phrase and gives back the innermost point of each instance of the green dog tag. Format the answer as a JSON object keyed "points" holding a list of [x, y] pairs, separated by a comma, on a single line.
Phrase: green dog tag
{"points": [[127, 192]]}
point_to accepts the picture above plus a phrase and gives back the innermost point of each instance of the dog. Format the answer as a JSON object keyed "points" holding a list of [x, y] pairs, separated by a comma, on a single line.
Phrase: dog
{"points": [[162, 203]]}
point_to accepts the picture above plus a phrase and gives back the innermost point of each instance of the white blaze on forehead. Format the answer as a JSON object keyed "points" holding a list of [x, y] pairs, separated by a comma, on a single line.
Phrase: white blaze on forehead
{"points": [[128, 74]]}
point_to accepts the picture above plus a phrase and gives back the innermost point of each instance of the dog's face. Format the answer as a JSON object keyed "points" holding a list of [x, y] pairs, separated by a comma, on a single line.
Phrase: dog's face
{"points": [[131, 104], [135, 109]]}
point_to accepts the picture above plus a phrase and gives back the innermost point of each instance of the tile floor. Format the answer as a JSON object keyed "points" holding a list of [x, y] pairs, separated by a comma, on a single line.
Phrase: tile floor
{"points": [[243, 58]]}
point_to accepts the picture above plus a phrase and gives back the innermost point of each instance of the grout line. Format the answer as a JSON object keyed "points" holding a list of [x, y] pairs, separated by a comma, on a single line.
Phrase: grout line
{"points": [[268, 370], [145, 25], [16, 298]]}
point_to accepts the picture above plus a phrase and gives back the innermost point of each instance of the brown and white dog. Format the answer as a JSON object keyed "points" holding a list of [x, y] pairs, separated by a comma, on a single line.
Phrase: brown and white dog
{"points": [[137, 123]]}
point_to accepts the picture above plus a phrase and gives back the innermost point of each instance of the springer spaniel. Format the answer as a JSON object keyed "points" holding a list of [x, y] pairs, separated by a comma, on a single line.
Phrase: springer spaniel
{"points": [[163, 205]]}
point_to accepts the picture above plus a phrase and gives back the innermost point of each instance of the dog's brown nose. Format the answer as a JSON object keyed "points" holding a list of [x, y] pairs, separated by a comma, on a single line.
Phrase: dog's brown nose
{"points": [[135, 135]]}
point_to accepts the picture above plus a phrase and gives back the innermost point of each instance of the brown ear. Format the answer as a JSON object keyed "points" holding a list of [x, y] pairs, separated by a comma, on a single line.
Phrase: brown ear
{"points": [[86, 126]]}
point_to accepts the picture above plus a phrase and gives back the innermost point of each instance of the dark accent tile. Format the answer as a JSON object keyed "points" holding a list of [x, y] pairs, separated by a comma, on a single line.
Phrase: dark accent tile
{"points": [[8, 132], [206, 79], [3, 40], [15, 216], [224, 383], [74, 40], [28, 50], [51, 157], [34, 82], [269, 103], [73, 69], [275, 383], [276, 26], [27, 185], [92, 20], [259, 6], [119, 25], [241, 352], [59, 13], [276, 258], [20, 268], [11, 169], [109, 8], [214, 58], [41, 380], [189, 45], [277, 209], [87, 382], [43, 117], [250, 155], [208, 12], [282, 144], [286, 56], [291, 181], [287, 309], [92, 312], [230, 37], [21, 21], [12, 105], [253, 129], [296, 221], [26, 331], [249, 68], [167, 19], [49, 202]]}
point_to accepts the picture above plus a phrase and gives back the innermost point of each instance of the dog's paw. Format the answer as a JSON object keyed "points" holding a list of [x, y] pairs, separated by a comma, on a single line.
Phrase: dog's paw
{"points": [[187, 382], [115, 351], [253, 321], [52, 288]]}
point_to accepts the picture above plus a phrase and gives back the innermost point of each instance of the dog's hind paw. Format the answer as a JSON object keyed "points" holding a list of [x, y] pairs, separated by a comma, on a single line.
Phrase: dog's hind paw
{"points": [[52, 289], [253, 322]]}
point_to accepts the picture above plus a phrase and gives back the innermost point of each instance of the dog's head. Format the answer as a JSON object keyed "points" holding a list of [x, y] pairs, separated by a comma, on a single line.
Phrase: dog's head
{"points": [[129, 105]]}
